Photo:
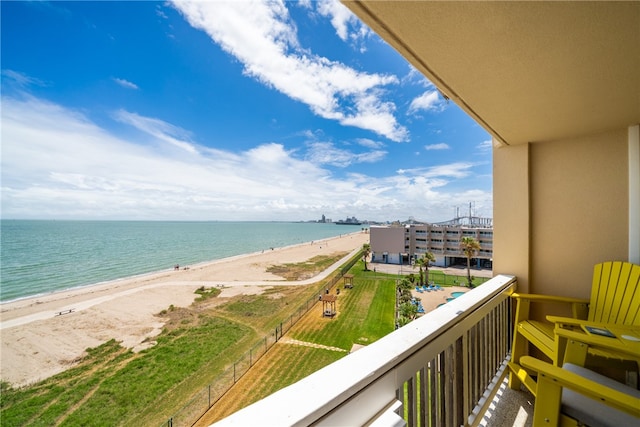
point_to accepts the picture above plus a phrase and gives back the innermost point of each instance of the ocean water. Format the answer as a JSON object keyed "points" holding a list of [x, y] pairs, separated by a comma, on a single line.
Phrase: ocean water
{"points": [[40, 257]]}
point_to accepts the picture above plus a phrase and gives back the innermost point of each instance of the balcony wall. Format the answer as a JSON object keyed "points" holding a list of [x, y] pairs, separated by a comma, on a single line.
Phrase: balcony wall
{"points": [[560, 207]]}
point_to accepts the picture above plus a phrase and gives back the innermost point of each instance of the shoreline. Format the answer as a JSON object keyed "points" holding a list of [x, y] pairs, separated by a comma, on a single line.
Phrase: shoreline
{"points": [[37, 341], [19, 303]]}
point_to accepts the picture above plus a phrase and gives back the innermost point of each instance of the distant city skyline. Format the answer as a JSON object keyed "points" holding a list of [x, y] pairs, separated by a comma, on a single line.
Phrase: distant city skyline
{"points": [[245, 110]]}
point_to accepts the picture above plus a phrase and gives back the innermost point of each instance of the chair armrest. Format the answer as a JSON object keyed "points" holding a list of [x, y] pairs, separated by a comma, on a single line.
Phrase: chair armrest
{"points": [[584, 386], [568, 321], [621, 347], [549, 298]]}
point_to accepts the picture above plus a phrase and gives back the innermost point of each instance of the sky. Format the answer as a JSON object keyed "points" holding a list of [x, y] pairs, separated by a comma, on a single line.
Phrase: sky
{"points": [[243, 110]]}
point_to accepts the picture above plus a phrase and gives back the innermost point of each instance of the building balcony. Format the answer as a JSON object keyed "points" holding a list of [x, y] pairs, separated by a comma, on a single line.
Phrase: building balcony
{"points": [[441, 369]]}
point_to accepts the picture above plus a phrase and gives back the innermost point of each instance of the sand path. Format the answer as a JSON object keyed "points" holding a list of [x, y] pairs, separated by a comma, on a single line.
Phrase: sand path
{"points": [[37, 342]]}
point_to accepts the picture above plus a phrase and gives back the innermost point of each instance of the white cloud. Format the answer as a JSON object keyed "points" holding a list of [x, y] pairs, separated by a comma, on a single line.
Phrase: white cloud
{"points": [[452, 170], [342, 20], [162, 131], [415, 77], [56, 163], [485, 145], [340, 16], [21, 79], [325, 153], [440, 146], [428, 101], [368, 143], [263, 38], [125, 83]]}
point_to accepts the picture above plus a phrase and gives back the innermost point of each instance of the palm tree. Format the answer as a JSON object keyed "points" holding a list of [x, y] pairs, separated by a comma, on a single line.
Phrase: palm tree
{"points": [[420, 262], [404, 290], [366, 250], [429, 258], [469, 246]]}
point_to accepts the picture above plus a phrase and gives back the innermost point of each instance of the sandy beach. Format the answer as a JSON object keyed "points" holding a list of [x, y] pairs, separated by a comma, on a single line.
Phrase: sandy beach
{"points": [[45, 335]]}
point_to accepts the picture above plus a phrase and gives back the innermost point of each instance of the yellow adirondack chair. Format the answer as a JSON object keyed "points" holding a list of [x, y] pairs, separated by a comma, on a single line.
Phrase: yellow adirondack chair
{"points": [[573, 396], [615, 299]]}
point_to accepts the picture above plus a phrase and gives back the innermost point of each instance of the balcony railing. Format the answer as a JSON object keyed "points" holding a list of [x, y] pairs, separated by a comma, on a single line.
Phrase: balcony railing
{"points": [[441, 370]]}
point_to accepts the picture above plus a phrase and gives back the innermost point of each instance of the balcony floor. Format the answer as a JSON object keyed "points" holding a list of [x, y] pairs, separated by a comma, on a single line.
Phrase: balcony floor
{"points": [[509, 408]]}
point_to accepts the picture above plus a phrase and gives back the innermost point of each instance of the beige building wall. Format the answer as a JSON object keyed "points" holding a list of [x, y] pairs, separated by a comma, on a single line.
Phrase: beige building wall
{"points": [[387, 239], [511, 233], [561, 207]]}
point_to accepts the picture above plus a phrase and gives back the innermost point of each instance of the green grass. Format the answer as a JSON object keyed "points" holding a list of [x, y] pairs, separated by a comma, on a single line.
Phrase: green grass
{"points": [[206, 293], [366, 313], [299, 362], [265, 311], [113, 386], [453, 280]]}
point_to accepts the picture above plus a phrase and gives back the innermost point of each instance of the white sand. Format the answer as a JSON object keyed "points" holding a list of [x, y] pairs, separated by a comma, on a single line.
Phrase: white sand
{"points": [[37, 343]]}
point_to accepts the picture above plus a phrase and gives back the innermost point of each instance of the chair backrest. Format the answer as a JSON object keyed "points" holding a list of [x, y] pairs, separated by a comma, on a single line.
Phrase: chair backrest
{"points": [[615, 293]]}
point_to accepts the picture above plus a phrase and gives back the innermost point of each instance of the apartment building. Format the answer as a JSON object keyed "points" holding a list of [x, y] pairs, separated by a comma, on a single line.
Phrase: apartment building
{"points": [[404, 244]]}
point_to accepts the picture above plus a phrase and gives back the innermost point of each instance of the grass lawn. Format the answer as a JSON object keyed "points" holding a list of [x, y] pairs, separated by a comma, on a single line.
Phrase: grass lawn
{"points": [[283, 365], [365, 313]]}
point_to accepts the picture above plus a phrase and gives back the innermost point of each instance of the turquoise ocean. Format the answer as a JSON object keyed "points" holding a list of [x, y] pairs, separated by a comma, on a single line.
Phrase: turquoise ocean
{"points": [[40, 257]]}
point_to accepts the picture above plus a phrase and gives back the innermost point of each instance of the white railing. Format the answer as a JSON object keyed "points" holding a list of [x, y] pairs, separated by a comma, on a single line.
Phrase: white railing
{"points": [[438, 370]]}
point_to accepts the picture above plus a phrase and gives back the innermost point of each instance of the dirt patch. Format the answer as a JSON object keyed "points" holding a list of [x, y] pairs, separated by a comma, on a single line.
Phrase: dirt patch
{"points": [[277, 295]]}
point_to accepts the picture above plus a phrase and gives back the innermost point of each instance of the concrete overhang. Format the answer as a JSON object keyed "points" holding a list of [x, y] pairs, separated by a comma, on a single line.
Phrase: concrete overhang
{"points": [[525, 71]]}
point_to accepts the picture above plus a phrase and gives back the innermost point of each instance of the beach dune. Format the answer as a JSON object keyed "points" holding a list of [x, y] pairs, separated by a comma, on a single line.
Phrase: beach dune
{"points": [[45, 335]]}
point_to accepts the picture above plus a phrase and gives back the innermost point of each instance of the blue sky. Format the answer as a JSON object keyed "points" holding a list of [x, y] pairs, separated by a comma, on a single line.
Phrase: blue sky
{"points": [[225, 111]]}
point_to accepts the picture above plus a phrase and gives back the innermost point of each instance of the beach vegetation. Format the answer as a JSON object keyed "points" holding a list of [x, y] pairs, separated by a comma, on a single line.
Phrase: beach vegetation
{"points": [[112, 385], [206, 293], [266, 310], [307, 269]]}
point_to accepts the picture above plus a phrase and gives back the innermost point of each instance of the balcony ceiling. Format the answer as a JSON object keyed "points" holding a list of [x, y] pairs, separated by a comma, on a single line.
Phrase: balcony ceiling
{"points": [[526, 71]]}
